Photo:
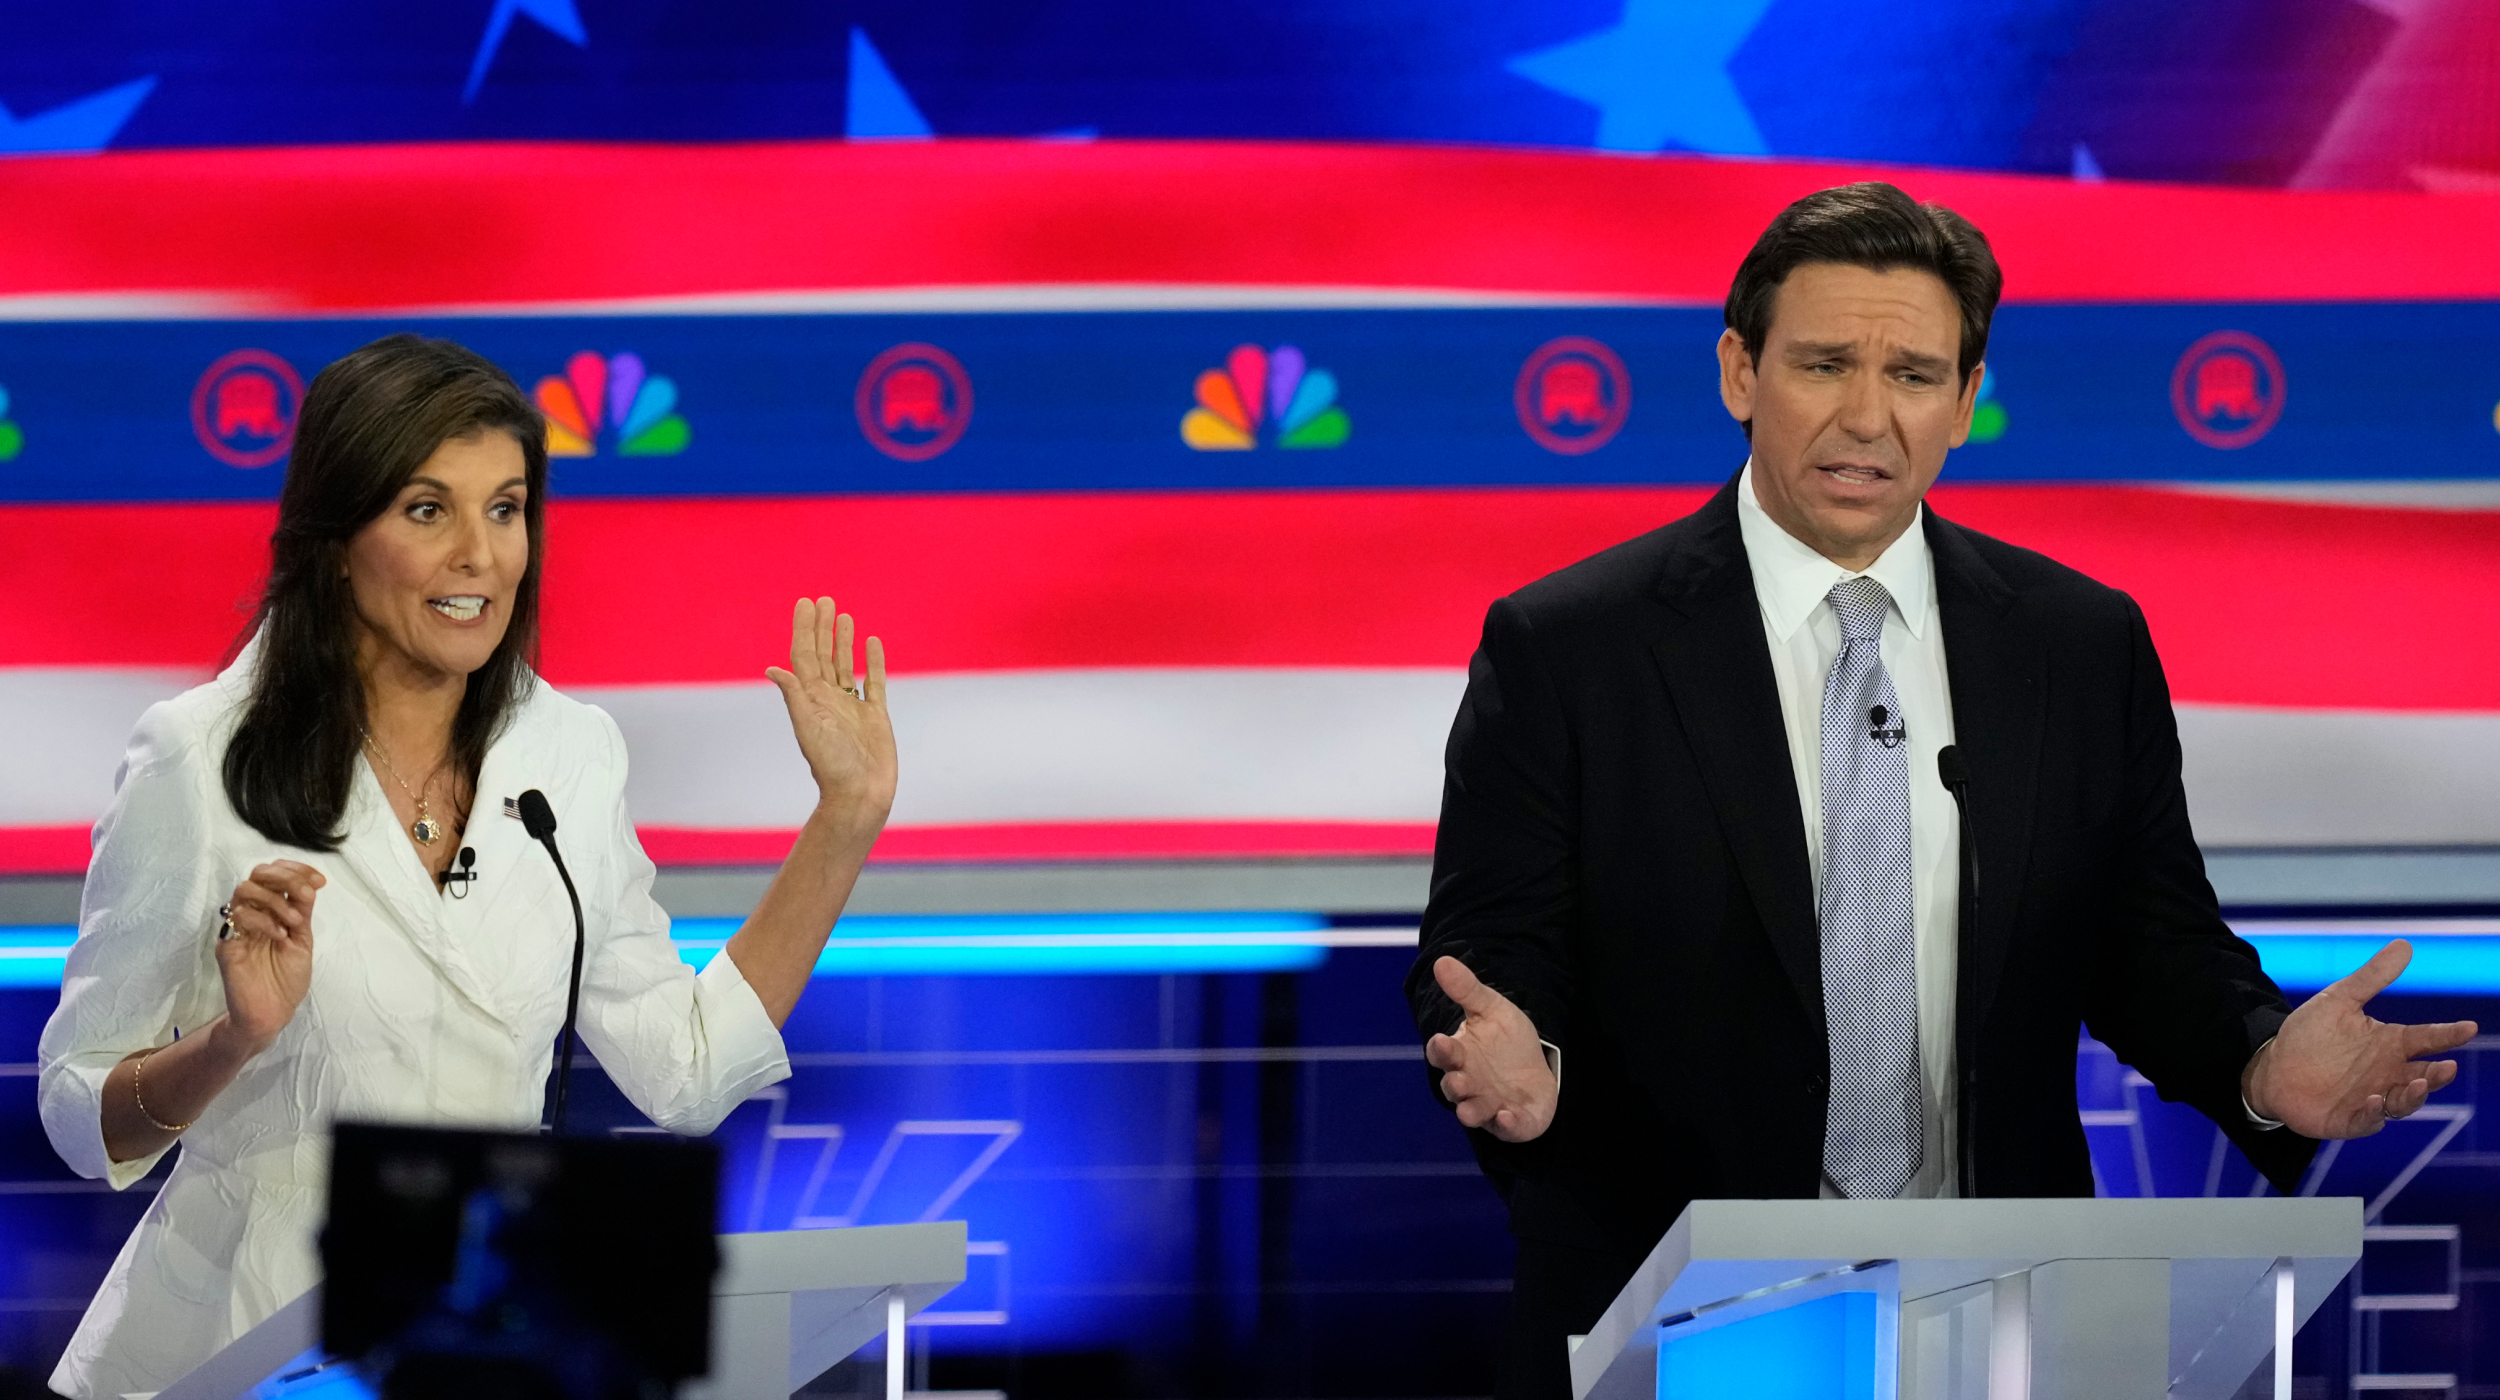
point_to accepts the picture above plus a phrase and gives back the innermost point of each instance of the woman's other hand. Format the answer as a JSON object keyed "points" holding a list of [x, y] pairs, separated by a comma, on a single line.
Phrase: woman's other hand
{"points": [[267, 966], [840, 720], [849, 743], [267, 962]]}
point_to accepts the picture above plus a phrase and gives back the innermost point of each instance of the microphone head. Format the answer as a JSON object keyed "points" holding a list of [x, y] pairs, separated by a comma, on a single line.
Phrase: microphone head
{"points": [[1950, 768], [537, 818]]}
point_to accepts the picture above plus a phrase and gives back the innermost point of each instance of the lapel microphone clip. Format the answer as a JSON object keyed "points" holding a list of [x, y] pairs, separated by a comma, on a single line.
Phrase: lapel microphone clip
{"points": [[457, 881]]}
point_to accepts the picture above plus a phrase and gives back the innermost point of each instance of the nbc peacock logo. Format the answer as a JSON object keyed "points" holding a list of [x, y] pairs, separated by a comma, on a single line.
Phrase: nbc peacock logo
{"points": [[616, 391], [1277, 388], [1987, 418], [12, 437]]}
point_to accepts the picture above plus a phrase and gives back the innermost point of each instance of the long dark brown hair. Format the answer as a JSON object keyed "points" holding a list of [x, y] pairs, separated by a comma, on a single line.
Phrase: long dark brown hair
{"points": [[368, 422]]}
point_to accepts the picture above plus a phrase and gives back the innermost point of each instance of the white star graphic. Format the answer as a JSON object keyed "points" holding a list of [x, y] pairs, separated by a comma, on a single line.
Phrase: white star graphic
{"points": [[87, 124], [557, 15], [1658, 77]]}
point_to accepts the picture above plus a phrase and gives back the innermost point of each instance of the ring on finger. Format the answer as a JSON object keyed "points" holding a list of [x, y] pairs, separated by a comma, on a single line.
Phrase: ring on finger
{"points": [[859, 693], [225, 922]]}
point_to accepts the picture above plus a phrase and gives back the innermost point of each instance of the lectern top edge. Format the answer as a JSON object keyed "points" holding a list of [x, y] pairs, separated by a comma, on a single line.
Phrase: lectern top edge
{"points": [[2191, 1291], [797, 1261], [2187, 1228]]}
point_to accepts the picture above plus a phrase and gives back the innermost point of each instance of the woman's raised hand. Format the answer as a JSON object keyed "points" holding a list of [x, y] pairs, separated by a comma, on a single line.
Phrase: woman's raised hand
{"points": [[267, 961], [840, 719]]}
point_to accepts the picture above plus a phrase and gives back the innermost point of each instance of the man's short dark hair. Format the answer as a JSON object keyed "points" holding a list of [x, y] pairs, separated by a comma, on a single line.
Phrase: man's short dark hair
{"points": [[1871, 225]]}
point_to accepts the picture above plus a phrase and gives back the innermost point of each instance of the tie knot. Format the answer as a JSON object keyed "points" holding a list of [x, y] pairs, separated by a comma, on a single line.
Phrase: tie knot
{"points": [[1859, 603]]}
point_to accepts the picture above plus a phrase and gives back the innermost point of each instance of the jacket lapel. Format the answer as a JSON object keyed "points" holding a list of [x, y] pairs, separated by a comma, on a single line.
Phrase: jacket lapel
{"points": [[1717, 668], [1999, 681], [379, 853], [516, 918]]}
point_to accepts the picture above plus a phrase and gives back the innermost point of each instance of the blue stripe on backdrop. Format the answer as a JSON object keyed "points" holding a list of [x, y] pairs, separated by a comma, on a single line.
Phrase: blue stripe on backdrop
{"points": [[879, 945], [2452, 964], [895, 945], [1095, 400], [34, 955], [883, 945]]}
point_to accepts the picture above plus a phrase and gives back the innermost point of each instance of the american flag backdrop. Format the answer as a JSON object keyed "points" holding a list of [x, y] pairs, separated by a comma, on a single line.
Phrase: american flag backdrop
{"points": [[1172, 386], [953, 385]]}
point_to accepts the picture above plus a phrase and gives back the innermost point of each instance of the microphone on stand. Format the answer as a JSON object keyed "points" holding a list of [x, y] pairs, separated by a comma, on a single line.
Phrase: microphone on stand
{"points": [[539, 820], [1954, 773]]}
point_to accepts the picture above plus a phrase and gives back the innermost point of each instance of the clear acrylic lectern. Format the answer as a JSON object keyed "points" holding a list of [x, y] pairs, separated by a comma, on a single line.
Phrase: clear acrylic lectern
{"points": [[1973, 1300], [786, 1306]]}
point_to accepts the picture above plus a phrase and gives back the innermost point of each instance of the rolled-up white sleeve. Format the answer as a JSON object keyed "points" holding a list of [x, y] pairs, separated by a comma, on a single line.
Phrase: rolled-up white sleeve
{"points": [[686, 1048], [144, 965]]}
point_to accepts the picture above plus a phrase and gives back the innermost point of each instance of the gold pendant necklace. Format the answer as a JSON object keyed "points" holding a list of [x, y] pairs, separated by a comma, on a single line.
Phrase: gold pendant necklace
{"points": [[425, 829]]}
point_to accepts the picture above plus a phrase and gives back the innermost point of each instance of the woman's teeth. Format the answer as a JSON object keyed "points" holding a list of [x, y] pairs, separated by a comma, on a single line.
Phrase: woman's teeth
{"points": [[463, 609]]}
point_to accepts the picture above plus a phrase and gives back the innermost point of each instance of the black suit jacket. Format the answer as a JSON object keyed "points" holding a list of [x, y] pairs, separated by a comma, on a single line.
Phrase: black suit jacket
{"points": [[1621, 854]]}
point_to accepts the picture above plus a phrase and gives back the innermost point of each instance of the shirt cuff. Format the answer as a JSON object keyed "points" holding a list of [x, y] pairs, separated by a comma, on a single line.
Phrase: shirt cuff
{"points": [[1553, 1062], [73, 1114], [2261, 1124]]}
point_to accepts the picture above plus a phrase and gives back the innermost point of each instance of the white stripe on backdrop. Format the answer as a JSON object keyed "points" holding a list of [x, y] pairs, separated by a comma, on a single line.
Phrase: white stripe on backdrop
{"points": [[1045, 746], [1263, 744]]}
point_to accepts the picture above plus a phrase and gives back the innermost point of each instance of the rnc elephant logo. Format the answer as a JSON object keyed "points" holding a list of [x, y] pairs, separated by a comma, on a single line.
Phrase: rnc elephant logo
{"points": [[1572, 395], [913, 397], [243, 408], [914, 402], [2227, 389]]}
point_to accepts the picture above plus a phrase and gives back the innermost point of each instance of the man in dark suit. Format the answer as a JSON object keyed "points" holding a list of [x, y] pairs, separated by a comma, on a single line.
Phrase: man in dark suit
{"points": [[1697, 850]]}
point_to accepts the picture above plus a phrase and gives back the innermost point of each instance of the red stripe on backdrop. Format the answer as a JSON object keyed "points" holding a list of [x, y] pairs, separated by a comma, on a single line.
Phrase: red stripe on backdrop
{"points": [[909, 845], [43, 850], [62, 850], [341, 227], [698, 590]]}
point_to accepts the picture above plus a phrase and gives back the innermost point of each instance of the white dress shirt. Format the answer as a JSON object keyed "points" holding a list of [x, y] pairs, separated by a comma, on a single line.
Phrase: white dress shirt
{"points": [[423, 1009], [1793, 584]]}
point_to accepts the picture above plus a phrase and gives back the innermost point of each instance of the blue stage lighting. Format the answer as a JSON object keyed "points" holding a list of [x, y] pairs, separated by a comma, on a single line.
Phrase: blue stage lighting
{"points": [[2451, 958], [32, 955], [898, 945]]}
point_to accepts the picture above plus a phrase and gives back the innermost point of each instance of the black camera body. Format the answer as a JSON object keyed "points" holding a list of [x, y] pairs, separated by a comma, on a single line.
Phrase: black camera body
{"points": [[505, 1266]]}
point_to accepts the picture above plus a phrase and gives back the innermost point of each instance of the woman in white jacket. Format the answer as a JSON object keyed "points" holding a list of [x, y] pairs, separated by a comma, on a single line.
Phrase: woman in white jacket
{"points": [[267, 943]]}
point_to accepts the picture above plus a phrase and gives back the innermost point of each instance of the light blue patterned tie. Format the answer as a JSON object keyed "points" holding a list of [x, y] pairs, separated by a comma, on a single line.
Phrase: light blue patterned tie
{"points": [[1871, 1133]]}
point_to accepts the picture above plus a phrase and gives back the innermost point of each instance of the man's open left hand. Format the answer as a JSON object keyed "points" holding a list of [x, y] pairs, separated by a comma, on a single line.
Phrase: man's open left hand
{"points": [[2335, 1072]]}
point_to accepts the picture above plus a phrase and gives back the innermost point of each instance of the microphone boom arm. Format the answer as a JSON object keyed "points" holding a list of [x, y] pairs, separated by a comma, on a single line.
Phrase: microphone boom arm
{"points": [[539, 820]]}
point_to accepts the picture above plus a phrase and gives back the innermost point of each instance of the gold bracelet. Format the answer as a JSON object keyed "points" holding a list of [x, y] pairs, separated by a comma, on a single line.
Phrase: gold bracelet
{"points": [[135, 1067]]}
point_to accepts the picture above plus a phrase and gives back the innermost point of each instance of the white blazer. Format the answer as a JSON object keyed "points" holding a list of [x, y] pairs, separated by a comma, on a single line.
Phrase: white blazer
{"points": [[423, 1008]]}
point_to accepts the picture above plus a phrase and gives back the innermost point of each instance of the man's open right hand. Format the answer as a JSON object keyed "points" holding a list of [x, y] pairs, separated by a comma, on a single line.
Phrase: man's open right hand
{"points": [[1493, 1068]]}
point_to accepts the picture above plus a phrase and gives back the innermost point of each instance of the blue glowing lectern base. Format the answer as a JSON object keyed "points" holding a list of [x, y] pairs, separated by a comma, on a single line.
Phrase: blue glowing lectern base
{"points": [[1968, 1300], [787, 1305], [1827, 1349]]}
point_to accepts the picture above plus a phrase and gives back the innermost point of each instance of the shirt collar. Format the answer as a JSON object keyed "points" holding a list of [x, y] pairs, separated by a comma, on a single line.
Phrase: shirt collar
{"points": [[1791, 580]]}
